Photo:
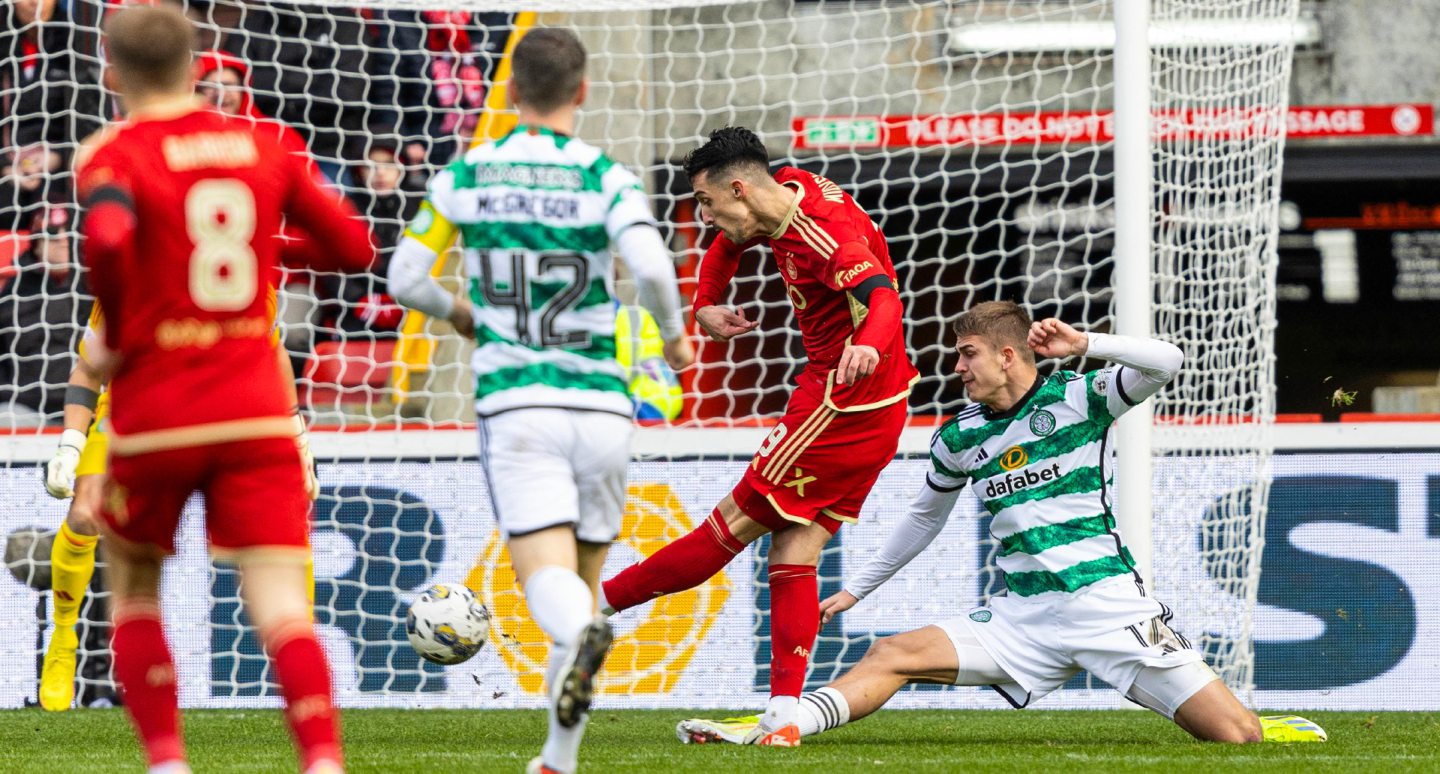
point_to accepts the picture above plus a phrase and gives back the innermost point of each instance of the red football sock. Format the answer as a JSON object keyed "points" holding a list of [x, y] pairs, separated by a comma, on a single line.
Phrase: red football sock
{"points": [[684, 564], [794, 622], [147, 673], [304, 677]]}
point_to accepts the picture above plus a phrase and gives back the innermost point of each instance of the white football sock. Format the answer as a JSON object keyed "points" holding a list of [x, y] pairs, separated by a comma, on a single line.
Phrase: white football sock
{"points": [[563, 606], [562, 746], [560, 602], [822, 710], [779, 713]]}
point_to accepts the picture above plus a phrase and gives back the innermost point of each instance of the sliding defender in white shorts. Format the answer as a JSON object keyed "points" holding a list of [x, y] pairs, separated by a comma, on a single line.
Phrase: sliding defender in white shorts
{"points": [[1037, 452]]}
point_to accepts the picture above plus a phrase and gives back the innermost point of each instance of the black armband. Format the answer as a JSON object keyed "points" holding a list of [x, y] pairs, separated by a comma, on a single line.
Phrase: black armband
{"points": [[862, 291], [81, 396], [110, 193]]}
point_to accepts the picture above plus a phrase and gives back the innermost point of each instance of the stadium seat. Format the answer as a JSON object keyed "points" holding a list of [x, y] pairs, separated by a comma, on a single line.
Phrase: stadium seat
{"points": [[347, 372], [12, 244]]}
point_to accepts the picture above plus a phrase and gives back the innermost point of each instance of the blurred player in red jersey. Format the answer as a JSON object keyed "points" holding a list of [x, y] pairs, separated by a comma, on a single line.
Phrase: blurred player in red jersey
{"points": [[182, 205], [842, 425]]}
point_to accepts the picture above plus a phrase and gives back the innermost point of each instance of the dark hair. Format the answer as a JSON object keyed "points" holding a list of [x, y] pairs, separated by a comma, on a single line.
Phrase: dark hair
{"points": [[151, 46], [1002, 323], [727, 148], [547, 68]]}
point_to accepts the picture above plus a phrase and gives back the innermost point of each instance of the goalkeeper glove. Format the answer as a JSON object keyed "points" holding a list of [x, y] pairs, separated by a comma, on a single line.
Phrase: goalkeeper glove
{"points": [[60, 470], [302, 442]]}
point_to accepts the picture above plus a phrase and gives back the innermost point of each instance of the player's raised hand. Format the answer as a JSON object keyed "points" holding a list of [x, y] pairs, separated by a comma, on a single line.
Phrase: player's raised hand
{"points": [[834, 604], [463, 317], [1052, 338], [60, 470], [679, 353], [856, 362], [724, 324]]}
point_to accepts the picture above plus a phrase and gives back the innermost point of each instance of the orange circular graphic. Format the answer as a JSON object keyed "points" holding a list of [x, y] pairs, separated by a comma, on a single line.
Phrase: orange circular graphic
{"points": [[1013, 458], [648, 660]]}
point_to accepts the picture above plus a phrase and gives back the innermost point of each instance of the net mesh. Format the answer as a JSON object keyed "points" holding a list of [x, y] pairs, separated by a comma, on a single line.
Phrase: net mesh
{"points": [[987, 165]]}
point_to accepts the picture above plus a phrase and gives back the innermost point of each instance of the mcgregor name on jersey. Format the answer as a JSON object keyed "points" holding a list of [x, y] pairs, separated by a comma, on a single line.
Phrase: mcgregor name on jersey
{"points": [[517, 204]]}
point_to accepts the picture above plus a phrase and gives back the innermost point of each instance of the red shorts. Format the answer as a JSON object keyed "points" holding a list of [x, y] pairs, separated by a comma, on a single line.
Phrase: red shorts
{"points": [[818, 464], [254, 495]]}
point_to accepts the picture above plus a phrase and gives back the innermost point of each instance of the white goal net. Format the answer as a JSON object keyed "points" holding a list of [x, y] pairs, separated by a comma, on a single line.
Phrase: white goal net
{"points": [[978, 135]]}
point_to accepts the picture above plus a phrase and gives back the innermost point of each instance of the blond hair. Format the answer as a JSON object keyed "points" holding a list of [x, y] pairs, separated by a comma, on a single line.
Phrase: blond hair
{"points": [[1000, 323]]}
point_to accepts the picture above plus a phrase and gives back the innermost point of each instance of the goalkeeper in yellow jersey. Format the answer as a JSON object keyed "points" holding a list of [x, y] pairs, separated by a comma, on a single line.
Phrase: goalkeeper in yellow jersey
{"points": [[78, 470]]}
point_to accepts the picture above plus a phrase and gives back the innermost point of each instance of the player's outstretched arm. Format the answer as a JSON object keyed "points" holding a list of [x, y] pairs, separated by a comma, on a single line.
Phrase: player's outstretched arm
{"points": [[1149, 364], [925, 518], [649, 262], [328, 220], [717, 268]]}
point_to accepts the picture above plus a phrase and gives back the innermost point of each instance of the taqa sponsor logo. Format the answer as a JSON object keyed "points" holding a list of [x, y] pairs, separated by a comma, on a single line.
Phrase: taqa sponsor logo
{"points": [[843, 278], [1000, 486]]}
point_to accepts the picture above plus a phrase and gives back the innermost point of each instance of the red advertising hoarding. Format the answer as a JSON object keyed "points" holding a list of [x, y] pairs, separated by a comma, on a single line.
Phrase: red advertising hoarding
{"points": [[1311, 121]]}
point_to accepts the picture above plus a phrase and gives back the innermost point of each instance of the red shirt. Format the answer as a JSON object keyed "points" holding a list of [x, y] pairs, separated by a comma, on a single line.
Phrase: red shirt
{"points": [[825, 248], [181, 241]]}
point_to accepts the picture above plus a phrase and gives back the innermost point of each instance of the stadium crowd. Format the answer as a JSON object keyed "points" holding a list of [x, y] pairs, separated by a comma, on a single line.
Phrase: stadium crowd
{"points": [[380, 99]]}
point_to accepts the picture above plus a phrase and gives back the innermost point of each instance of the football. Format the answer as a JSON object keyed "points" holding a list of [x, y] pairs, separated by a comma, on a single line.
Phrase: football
{"points": [[447, 624]]}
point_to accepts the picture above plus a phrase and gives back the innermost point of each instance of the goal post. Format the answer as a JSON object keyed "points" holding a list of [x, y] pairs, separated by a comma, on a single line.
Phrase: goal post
{"points": [[1134, 179], [995, 144]]}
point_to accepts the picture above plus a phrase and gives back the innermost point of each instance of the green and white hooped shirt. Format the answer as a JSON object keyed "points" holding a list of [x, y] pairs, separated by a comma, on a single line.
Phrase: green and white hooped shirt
{"points": [[536, 213], [1044, 469]]}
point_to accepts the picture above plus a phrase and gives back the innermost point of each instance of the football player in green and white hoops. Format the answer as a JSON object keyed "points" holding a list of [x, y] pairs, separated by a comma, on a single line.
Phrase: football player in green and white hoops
{"points": [[1036, 451], [537, 213]]}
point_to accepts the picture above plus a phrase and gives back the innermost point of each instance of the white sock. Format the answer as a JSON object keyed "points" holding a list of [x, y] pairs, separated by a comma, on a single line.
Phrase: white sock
{"points": [[562, 746], [562, 605], [779, 713], [560, 602], [822, 710]]}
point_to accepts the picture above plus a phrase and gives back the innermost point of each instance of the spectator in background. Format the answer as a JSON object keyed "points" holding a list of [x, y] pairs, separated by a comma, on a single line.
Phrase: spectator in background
{"points": [[309, 71], [223, 80], [395, 68], [382, 195], [462, 48], [43, 311], [25, 179], [50, 98]]}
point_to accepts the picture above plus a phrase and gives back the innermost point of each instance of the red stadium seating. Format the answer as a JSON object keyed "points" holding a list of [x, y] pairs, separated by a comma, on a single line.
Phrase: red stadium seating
{"points": [[347, 372]]}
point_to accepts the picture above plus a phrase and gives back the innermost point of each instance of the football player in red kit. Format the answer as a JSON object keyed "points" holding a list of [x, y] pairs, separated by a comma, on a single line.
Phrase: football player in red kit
{"points": [[183, 203], [843, 422]]}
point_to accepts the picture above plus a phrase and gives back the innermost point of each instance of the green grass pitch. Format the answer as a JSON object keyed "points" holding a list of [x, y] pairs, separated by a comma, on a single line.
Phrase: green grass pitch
{"points": [[1027, 741]]}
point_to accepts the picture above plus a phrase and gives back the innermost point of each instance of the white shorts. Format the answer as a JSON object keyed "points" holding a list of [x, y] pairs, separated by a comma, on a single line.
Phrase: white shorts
{"points": [[552, 467], [1109, 630]]}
